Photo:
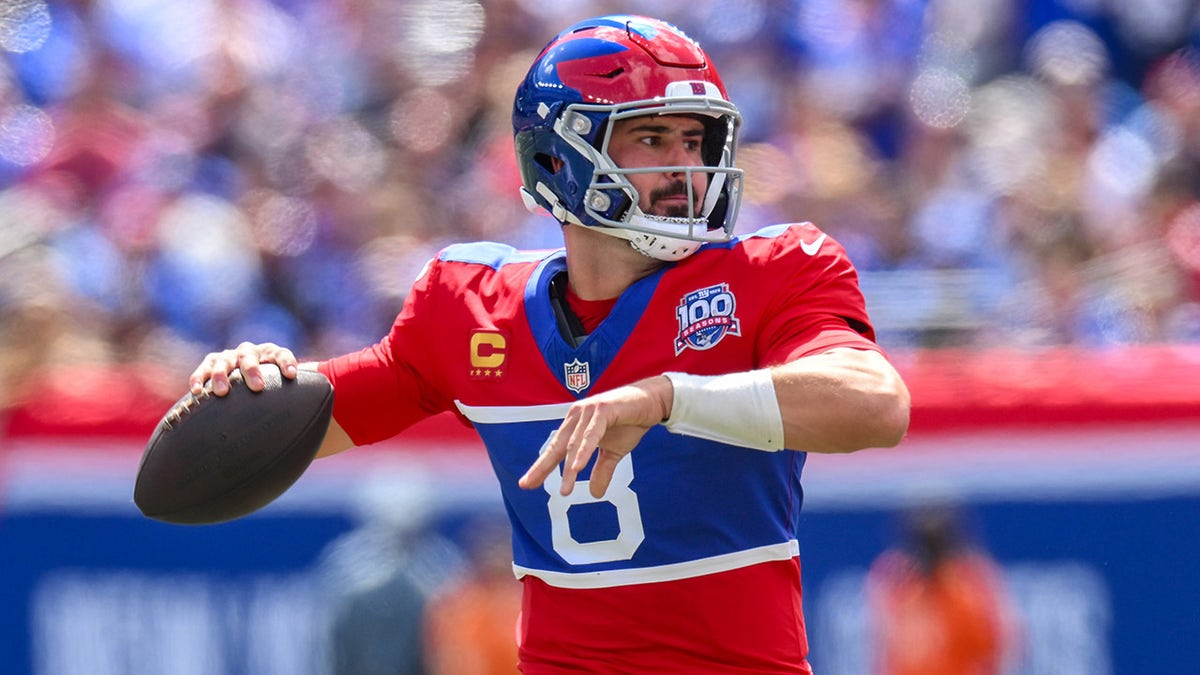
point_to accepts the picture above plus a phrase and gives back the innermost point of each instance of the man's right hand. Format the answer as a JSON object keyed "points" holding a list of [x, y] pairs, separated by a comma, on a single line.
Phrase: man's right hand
{"points": [[217, 366]]}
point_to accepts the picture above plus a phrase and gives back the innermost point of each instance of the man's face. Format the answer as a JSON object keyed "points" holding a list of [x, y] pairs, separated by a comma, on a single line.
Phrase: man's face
{"points": [[661, 140]]}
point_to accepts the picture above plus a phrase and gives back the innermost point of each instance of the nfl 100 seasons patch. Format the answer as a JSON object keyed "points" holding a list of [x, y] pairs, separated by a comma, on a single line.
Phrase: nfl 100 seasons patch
{"points": [[706, 316]]}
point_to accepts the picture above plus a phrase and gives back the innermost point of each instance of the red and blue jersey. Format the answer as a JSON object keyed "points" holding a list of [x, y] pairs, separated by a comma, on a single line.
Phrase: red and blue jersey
{"points": [[694, 538]]}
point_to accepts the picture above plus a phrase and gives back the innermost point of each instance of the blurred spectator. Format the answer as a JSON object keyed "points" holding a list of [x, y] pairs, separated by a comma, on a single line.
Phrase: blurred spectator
{"points": [[937, 602], [378, 578], [376, 631], [471, 622]]}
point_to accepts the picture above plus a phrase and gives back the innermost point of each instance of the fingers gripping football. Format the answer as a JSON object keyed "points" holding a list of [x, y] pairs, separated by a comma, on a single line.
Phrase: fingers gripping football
{"points": [[247, 357]]}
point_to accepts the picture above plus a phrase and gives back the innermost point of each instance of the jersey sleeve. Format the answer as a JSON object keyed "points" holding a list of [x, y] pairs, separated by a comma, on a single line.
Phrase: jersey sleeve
{"points": [[383, 389], [818, 305]]}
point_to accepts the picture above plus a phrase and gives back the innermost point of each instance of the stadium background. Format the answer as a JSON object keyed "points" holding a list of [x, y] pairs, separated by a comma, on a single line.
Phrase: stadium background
{"points": [[1018, 182]]}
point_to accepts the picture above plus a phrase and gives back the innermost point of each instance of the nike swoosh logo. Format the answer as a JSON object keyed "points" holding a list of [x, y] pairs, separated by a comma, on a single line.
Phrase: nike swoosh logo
{"points": [[811, 247]]}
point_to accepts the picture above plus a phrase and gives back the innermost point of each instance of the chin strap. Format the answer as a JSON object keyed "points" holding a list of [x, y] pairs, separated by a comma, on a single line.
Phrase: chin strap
{"points": [[667, 249], [657, 246], [663, 246]]}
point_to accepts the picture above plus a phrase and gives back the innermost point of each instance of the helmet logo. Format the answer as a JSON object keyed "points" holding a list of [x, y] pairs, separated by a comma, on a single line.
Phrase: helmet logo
{"points": [[686, 88], [706, 316]]}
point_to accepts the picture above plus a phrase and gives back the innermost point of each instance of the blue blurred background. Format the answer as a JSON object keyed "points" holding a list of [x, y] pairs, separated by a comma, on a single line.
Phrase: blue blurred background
{"points": [[1018, 182]]}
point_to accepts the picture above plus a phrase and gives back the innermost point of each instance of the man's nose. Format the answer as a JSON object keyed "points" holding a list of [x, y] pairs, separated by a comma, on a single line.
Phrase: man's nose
{"points": [[679, 155]]}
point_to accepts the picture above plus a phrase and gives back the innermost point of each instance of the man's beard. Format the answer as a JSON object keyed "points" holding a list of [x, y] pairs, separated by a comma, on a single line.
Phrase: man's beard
{"points": [[673, 210]]}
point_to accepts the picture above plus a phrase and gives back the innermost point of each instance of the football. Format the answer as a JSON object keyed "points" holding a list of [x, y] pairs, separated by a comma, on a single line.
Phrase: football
{"points": [[213, 459]]}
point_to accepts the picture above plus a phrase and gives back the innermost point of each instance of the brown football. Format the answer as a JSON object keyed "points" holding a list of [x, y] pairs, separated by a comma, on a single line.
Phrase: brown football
{"points": [[217, 458]]}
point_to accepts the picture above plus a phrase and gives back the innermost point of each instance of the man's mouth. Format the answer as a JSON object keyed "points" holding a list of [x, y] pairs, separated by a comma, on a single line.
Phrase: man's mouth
{"points": [[672, 201]]}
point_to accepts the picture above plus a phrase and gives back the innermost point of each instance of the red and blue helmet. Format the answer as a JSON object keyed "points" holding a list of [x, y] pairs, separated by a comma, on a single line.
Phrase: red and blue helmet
{"points": [[597, 72]]}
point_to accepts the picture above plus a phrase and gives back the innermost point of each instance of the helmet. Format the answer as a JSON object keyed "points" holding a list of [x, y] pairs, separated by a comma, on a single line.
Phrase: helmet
{"points": [[609, 68]]}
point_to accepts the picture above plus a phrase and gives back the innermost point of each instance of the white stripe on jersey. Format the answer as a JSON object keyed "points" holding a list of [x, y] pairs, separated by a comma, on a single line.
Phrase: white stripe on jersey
{"points": [[501, 414], [673, 572]]}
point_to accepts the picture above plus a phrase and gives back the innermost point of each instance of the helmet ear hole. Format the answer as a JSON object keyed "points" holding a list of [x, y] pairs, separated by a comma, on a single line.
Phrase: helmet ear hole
{"points": [[548, 162]]}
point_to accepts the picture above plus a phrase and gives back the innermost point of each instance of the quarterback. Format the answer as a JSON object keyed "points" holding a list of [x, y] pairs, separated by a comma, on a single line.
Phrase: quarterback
{"points": [[648, 393]]}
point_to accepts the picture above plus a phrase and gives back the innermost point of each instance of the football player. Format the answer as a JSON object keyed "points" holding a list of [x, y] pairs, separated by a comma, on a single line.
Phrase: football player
{"points": [[646, 394]]}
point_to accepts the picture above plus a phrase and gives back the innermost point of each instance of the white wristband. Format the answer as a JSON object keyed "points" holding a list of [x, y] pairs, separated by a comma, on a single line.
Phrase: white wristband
{"points": [[738, 409]]}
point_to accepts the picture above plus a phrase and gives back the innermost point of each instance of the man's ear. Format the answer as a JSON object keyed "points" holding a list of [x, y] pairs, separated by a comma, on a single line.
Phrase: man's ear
{"points": [[556, 164]]}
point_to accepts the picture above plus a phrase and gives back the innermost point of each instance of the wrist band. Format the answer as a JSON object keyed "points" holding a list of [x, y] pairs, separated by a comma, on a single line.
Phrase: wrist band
{"points": [[738, 409]]}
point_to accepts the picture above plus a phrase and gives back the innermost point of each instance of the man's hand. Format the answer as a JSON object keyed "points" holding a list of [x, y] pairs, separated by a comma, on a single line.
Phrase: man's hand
{"points": [[611, 423], [247, 356]]}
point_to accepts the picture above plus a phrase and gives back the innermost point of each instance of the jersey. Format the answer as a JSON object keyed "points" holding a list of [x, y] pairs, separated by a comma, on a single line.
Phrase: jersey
{"points": [[691, 556]]}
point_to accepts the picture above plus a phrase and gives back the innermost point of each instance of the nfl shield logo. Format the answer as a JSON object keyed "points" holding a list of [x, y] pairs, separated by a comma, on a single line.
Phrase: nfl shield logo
{"points": [[579, 377]]}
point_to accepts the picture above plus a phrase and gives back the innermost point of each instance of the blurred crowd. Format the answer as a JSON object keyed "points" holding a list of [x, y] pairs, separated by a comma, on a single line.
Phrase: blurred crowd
{"points": [[177, 177]]}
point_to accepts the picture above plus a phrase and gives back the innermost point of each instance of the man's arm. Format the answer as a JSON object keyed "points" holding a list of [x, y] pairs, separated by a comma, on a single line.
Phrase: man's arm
{"points": [[841, 401], [838, 401]]}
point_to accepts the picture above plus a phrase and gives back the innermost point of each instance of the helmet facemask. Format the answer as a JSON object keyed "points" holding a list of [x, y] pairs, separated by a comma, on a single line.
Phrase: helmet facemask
{"points": [[611, 200]]}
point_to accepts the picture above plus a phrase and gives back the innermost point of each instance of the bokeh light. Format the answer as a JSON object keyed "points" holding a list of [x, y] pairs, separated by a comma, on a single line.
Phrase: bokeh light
{"points": [[437, 38], [970, 24], [422, 120], [26, 217], [1154, 24], [732, 22], [940, 98], [1183, 235], [1067, 53], [281, 225], [164, 37], [209, 257], [1010, 124], [24, 25], [26, 135], [1122, 166], [346, 153]]}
